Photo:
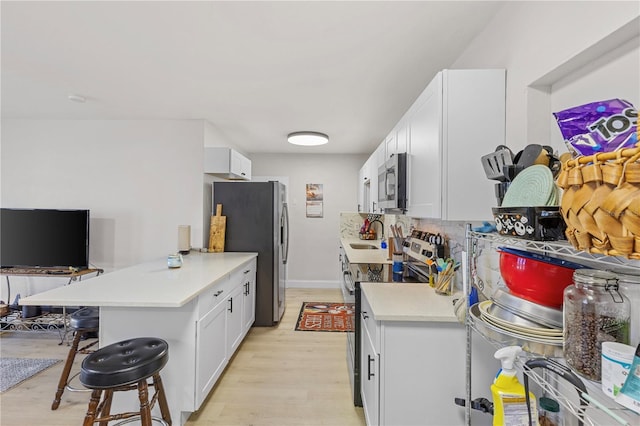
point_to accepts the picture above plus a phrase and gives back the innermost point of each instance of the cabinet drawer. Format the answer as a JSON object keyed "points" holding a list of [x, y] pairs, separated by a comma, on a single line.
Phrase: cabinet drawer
{"points": [[209, 298], [369, 324]]}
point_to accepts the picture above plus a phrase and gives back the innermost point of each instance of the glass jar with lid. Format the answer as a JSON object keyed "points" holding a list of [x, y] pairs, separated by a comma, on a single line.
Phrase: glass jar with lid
{"points": [[630, 287], [594, 311], [549, 412]]}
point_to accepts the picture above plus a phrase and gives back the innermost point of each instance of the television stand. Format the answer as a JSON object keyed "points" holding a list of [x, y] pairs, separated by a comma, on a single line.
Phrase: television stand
{"points": [[12, 320]]}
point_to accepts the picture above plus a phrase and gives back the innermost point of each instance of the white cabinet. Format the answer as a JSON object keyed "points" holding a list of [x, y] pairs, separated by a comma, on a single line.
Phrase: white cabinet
{"points": [[369, 362], [411, 371], [381, 154], [368, 186], [211, 355], [235, 329], [225, 315], [391, 147], [227, 163], [249, 298], [458, 118], [402, 137]]}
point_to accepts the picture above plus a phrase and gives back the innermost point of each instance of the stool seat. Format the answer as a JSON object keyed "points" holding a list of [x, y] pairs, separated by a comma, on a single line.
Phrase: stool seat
{"points": [[84, 323], [124, 363], [85, 318], [125, 366]]}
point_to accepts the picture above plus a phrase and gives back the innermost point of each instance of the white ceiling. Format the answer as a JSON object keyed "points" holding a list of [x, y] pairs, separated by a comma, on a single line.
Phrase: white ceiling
{"points": [[255, 70]]}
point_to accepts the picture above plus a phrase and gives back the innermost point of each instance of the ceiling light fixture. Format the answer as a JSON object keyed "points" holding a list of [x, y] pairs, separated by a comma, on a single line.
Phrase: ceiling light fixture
{"points": [[77, 98], [307, 138]]}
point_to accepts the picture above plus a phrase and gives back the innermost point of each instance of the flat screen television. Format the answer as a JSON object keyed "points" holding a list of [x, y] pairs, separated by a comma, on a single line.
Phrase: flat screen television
{"points": [[44, 238]]}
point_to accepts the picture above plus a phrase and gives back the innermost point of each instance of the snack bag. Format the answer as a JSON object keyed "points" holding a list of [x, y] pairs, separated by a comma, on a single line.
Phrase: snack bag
{"points": [[603, 126]]}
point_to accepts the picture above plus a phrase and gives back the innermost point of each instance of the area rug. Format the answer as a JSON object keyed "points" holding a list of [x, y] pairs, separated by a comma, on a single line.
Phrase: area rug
{"points": [[14, 371], [323, 316]]}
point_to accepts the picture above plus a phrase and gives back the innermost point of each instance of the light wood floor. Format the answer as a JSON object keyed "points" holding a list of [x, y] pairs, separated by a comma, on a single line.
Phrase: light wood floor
{"points": [[279, 376]]}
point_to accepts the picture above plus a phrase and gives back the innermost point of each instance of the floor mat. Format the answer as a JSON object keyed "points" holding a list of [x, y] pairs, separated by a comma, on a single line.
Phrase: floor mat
{"points": [[325, 316], [14, 371]]}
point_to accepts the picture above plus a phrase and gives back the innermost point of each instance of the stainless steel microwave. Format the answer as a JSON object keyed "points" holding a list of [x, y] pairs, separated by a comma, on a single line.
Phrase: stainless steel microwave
{"points": [[392, 183]]}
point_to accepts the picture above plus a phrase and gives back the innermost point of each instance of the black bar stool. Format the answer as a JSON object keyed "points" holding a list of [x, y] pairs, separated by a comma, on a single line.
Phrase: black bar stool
{"points": [[82, 322], [123, 366]]}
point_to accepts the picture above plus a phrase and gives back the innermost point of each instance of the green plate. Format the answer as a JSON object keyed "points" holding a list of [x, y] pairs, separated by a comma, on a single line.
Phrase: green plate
{"points": [[532, 187]]}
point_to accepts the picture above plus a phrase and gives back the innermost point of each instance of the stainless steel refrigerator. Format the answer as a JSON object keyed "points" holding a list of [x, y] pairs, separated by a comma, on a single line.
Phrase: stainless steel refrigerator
{"points": [[258, 221]]}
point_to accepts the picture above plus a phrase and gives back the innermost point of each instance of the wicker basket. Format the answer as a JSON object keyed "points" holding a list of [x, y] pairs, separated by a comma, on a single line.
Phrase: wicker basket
{"points": [[601, 202]]}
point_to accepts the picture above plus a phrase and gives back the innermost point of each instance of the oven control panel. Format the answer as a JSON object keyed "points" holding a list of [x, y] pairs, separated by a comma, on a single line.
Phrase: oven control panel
{"points": [[423, 246]]}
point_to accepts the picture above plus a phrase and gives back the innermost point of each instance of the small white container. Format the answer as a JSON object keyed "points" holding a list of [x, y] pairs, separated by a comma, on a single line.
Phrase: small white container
{"points": [[616, 362]]}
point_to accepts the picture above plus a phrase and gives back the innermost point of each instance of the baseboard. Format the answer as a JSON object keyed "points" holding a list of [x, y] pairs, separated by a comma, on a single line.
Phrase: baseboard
{"points": [[312, 284]]}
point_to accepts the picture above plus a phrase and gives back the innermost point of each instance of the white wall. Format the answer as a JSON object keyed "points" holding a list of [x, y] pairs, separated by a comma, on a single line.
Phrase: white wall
{"points": [[540, 43], [140, 179], [313, 250]]}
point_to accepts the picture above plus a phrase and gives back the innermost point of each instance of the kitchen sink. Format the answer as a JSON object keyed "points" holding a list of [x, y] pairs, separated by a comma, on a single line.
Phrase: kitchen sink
{"points": [[363, 246]]}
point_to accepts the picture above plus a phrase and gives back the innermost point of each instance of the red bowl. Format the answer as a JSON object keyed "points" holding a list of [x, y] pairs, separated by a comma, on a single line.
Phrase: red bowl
{"points": [[534, 277]]}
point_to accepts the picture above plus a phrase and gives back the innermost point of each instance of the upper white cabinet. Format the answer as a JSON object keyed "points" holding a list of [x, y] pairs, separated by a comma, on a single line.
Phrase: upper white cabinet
{"points": [[390, 145], [368, 185], [402, 136], [227, 163], [458, 118]]}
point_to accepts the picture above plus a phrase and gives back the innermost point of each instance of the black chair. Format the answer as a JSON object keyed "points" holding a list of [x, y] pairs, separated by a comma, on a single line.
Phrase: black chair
{"points": [[123, 366], [83, 323]]}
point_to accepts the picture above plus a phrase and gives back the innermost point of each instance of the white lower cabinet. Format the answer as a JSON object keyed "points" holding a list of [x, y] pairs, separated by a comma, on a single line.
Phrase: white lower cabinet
{"points": [[370, 380], [235, 331], [249, 298], [211, 355], [413, 370], [223, 322]]}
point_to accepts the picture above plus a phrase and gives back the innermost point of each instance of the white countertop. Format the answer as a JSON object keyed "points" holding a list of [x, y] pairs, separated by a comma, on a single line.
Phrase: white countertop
{"points": [[408, 302], [376, 256], [150, 284]]}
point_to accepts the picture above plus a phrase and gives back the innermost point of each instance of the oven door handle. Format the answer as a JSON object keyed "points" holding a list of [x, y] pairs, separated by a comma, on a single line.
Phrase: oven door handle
{"points": [[347, 282]]}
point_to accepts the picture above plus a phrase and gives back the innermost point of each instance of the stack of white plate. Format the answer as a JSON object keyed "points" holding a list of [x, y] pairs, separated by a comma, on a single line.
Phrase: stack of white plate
{"points": [[523, 330]]}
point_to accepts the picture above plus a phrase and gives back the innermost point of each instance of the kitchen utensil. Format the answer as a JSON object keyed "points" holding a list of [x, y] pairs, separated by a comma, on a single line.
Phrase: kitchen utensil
{"points": [[217, 231], [494, 163], [510, 171], [533, 154], [532, 187], [534, 277]]}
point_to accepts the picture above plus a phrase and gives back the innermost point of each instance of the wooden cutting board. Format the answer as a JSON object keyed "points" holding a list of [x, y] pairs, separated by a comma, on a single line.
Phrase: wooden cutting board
{"points": [[216, 231]]}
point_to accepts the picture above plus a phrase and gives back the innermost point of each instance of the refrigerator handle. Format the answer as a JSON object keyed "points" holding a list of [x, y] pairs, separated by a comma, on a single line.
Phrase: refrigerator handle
{"points": [[284, 233]]}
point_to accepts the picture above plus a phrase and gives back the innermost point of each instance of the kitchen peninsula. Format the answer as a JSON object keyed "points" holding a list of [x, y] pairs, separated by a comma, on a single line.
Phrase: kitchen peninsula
{"points": [[203, 309]]}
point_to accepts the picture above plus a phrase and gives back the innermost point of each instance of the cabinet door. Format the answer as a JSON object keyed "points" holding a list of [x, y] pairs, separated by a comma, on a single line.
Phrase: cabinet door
{"points": [[373, 184], [211, 352], [425, 159], [361, 187], [240, 165], [370, 379], [402, 136], [391, 147], [234, 319], [474, 123], [249, 299]]}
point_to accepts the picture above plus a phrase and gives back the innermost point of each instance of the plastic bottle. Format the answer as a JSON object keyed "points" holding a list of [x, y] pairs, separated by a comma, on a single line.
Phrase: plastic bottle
{"points": [[509, 403]]}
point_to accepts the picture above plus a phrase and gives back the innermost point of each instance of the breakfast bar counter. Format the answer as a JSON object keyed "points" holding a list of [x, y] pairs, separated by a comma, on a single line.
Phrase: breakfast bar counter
{"points": [[149, 284], [203, 310]]}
